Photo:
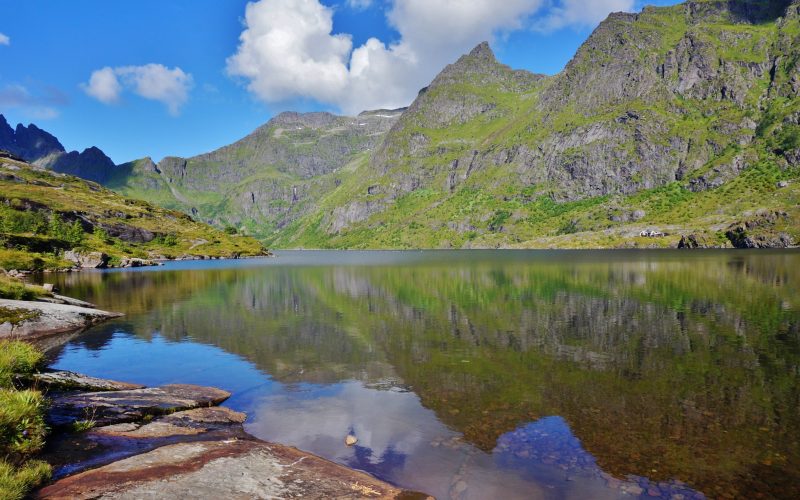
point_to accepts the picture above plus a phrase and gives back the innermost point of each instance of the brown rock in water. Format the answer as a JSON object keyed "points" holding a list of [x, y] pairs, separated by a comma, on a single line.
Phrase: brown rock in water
{"points": [[184, 423], [222, 469], [114, 407]]}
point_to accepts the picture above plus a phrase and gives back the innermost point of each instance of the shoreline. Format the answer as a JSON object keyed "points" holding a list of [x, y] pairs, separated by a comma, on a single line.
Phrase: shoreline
{"points": [[175, 434]]}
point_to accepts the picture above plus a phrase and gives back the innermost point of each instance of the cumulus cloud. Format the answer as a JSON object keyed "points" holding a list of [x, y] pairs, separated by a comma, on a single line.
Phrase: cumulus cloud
{"points": [[4, 39], [104, 86], [288, 49], [150, 81], [581, 13]]}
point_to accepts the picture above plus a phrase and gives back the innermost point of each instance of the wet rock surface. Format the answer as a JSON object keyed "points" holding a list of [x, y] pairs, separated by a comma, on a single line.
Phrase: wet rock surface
{"points": [[197, 453], [111, 407], [50, 319]]}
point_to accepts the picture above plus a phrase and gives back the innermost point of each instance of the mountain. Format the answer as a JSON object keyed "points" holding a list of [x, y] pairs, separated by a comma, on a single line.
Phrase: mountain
{"points": [[266, 180], [44, 215], [676, 124], [676, 120], [42, 149]]}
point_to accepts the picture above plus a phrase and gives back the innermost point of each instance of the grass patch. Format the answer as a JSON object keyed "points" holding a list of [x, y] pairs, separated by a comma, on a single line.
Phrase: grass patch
{"points": [[16, 482], [22, 427], [17, 357]]}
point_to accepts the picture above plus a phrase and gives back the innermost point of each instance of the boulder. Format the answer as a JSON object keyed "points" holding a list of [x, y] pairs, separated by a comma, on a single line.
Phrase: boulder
{"points": [[112, 407], [88, 260], [223, 469], [692, 241], [44, 319]]}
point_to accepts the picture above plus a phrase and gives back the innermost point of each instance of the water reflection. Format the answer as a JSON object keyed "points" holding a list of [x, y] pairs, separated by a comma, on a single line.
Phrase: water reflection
{"points": [[668, 366]]}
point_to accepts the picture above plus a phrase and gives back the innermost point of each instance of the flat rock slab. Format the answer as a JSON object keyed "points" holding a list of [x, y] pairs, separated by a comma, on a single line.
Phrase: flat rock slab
{"points": [[64, 380], [113, 407], [51, 319], [230, 469], [75, 452]]}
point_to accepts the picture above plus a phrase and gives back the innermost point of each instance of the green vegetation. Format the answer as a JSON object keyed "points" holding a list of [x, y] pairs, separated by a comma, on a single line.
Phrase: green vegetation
{"points": [[43, 214], [22, 427]]}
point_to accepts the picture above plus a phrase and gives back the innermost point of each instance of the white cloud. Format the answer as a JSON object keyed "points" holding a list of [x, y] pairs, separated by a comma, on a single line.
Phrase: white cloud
{"points": [[582, 13], [288, 50], [150, 81], [104, 86], [4, 39]]}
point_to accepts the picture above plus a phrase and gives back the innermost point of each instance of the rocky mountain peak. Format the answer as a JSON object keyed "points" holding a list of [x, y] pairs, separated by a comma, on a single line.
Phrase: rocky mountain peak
{"points": [[30, 143], [483, 51]]}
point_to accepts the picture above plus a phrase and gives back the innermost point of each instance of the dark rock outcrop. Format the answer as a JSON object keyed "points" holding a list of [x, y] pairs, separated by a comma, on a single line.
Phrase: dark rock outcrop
{"points": [[692, 241], [760, 232], [112, 407]]}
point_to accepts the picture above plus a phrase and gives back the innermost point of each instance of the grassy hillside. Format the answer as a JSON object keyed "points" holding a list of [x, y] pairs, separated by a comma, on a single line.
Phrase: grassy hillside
{"points": [[264, 181], [681, 120], [43, 214]]}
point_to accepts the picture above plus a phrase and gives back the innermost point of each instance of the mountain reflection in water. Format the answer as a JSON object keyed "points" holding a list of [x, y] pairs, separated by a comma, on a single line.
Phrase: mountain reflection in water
{"points": [[475, 374]]}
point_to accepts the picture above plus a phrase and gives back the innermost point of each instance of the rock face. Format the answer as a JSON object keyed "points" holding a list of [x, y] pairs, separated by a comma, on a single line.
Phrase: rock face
{"points": [[269, 178], [36, 146], [48, 319], [113, 407], [760, 232]]}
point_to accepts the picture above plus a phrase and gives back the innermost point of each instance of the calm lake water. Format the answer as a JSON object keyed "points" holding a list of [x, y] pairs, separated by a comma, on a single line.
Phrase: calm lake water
{"points": [[485, 374]]}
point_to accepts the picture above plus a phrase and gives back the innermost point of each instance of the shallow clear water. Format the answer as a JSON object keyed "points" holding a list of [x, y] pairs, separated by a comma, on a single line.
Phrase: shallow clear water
{"points": [[485, 374]]}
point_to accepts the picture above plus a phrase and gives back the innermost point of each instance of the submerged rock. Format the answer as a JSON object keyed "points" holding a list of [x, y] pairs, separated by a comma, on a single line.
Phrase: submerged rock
{"points": [[113, 407], [222, 469], [184, 423]]}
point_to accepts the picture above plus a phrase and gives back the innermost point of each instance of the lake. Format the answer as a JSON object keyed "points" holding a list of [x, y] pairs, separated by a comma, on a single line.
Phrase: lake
{"points": [[484, 374]]}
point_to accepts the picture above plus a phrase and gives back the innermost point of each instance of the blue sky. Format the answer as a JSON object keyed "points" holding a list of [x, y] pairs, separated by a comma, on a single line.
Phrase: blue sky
{"points": [[155, 78]]}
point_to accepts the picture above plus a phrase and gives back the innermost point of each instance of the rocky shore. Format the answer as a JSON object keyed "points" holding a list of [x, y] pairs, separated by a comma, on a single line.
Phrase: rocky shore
{"points": [[174, 441], [118, 440]]}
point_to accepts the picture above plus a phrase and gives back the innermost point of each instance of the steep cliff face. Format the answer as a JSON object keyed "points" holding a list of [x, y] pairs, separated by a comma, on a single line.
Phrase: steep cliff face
{"points": [[42, 149], [684, 100], [266, 180]]}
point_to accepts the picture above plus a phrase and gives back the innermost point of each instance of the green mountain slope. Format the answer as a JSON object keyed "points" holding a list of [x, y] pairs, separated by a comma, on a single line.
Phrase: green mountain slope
{"points": [[677, 120], [45, 214], [265, 180]]}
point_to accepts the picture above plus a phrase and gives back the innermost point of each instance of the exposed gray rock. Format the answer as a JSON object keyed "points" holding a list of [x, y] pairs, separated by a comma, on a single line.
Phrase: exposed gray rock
{"points": [[65, 380], [50, 319], [87, 260]]}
